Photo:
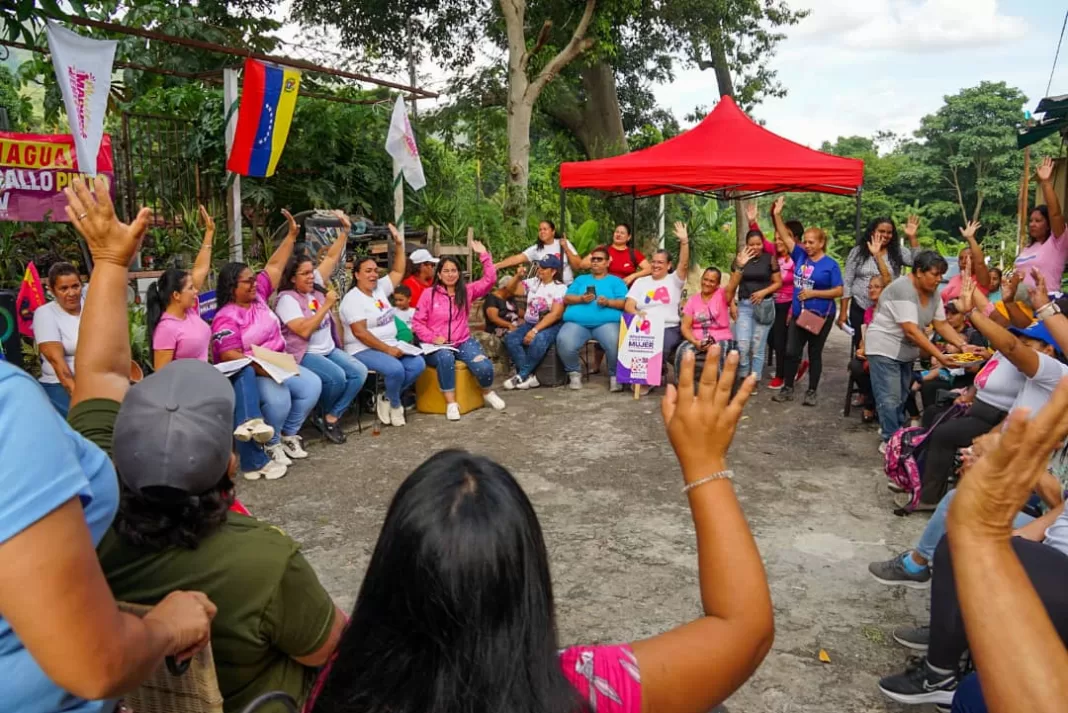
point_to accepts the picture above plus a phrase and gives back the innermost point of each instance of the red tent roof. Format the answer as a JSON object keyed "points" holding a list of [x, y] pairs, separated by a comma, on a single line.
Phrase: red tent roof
{"points": [[727, 153]]}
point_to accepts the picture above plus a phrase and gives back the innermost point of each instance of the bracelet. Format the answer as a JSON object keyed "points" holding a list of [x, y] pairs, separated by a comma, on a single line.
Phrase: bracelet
{"points": [[728, 474]]}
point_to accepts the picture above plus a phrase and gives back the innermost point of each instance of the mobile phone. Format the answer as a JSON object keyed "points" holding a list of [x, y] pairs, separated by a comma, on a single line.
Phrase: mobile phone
{"points": [[591, 290]]}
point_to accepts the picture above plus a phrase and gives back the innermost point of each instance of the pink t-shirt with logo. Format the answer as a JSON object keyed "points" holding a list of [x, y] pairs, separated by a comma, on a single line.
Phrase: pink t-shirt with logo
{"points": [[242, 328], [711, 318], [786, 269], [188, 338], [1049, 257]]}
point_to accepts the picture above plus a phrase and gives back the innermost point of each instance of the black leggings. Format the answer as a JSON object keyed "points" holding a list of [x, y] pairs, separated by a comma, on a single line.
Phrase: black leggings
{"points": [[861, 377], [943, 442], [1046, 567], [796, 339], [777, 337], [856, 321]]}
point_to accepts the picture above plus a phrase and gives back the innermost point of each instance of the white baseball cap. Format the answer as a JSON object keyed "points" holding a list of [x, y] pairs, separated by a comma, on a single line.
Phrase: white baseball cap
{"points": [[420, 256]]}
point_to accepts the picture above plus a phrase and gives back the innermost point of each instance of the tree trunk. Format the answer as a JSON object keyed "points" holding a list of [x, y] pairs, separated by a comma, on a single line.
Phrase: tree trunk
{"points": [[596, 119], [726, 89], [515, 203]]}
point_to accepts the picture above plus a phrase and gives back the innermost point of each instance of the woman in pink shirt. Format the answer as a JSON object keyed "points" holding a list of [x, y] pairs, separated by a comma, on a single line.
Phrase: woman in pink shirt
{"points": [[456, 608], [244, 320], [1048, 250], [706, 318], [441, 320]]}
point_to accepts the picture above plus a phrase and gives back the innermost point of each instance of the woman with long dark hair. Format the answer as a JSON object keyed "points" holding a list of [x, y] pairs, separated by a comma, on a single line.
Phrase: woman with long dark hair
{"points": [[624, 260], [757, 275], [243, 321], [456, 608], [549, 243], [1048, 247], [528, 343], [441, 320], [311, 336], [55, 332], [862, 265]]}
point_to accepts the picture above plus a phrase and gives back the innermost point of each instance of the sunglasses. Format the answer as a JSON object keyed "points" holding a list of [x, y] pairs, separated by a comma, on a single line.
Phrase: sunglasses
{"points": [[596, 259]]}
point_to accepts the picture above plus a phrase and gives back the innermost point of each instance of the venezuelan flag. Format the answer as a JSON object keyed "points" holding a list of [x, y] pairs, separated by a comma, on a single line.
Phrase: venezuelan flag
{"points": [[268, 98]]}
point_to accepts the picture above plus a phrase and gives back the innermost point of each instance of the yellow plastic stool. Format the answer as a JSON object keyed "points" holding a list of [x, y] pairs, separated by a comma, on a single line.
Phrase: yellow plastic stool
{"points": [[428, 396]]}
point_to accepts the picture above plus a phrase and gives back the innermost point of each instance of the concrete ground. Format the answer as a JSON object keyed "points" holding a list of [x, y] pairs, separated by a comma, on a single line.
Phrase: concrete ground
{"points": [[605, 484]]}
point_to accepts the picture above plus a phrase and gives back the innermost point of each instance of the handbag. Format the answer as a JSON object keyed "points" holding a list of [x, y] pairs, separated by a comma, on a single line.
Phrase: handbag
{"points": [[810, 321], [764, 313]]}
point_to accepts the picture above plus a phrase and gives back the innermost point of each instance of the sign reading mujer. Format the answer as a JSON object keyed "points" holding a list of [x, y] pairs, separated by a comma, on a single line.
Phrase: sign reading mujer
{"points": [[34, 170]]}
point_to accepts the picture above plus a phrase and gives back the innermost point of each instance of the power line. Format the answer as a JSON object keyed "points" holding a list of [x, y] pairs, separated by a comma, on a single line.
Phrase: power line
{"points": [[1057, 55]]}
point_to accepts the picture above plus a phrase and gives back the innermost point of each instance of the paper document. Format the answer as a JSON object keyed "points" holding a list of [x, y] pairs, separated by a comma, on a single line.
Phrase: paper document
{"points": [[278, 366]]}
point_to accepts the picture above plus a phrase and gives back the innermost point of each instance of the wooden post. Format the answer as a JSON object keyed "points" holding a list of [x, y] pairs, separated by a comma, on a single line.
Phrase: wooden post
{"points": [[233, 198], [470, 239], [637, 391], [398, 198], [1021, 206]]}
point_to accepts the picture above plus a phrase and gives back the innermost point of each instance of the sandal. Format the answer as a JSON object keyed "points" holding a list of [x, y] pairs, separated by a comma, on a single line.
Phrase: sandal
{"points": [[868, 416]]}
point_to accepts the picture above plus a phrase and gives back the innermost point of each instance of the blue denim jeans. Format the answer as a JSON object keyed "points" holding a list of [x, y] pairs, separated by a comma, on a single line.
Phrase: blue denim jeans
{"points": [[890, 382], [571, 338], [527, 357], [246, 408], [470, 353], [936, 526], [398, 374], [752, 339], [286, 405], [725, 348], [59, 397], [342, 376]]}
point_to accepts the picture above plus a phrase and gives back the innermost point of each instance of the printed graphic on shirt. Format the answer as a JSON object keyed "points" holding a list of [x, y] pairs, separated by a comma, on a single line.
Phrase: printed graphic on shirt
{"points": [[539, 305], [660, 294], [222, 334], [803, 277], [984, 374]]}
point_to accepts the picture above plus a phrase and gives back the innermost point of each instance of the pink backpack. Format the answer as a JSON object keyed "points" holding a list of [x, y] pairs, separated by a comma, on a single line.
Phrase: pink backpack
{"points": [[905, 456]]}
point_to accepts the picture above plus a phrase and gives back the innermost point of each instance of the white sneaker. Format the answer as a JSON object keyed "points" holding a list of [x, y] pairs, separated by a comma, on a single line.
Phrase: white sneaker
{"points": [[278, 454], [294, 447], [882, 448], [574, 380], [614, 386], [383, 408], [254, 429], [511, 382], [496, 401], [272, 471], [396, 416], [531, 382], [452, 412]]}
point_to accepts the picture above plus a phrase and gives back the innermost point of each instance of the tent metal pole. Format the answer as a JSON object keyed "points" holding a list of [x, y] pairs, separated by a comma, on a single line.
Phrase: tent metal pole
{"points": [[563, 210], [860, 189], [633, 209]]}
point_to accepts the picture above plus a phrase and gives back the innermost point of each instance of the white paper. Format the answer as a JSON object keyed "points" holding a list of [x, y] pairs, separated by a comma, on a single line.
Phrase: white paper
{"points": [[409, 349], [83, 71], [431, 348], [400, 145], [229, 368]]}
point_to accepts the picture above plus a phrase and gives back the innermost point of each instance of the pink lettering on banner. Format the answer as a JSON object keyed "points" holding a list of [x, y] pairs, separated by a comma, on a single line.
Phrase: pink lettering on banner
{"points": [[82, 84]]}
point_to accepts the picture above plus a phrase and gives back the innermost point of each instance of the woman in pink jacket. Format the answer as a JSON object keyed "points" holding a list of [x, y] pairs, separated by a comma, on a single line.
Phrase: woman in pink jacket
{"points": [[441, 320]]}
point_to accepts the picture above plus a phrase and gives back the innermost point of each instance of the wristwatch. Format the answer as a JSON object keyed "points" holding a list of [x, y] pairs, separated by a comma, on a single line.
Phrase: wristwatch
{"points": [[1047, 310]]}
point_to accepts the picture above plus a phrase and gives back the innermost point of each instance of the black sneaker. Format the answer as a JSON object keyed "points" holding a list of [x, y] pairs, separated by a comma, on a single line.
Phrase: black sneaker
{"points": [[334, 433], [810, 398], [916, 638], [893, 572], [919, 684], [785, 394]]}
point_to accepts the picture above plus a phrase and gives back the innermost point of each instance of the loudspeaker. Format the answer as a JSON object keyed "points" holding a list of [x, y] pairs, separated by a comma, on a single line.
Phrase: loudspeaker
{"points": [[10, 340]]}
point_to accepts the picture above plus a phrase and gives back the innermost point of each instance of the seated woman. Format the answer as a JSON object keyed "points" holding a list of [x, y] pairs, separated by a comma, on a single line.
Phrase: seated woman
{"points": [[593, 305], [370, 329], [243, 321], [858, 365], [436, 592], [528, 343], [550, 243], [499, 308], [176, 331], [758, 279], [969, 260], [441, 319], [309, 329], [661, 292], [55, 331], [706, 319]]}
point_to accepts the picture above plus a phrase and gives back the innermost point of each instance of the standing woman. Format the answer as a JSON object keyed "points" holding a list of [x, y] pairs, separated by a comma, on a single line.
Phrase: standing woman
{"points": [[624, 261], [243, 321], [176, 331], [528, 343], [370, 329], [817, 284], [1048, 250], [863, 264], [309, 329], [758, 278], [441, 319], [55, 330], [783, 300], [549, 243]]}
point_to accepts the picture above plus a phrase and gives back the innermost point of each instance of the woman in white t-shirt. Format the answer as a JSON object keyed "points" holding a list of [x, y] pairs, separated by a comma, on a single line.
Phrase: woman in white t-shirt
{"points": [[528, 342], [370, 332], [549, 243], [661, 293], [55, 330]]}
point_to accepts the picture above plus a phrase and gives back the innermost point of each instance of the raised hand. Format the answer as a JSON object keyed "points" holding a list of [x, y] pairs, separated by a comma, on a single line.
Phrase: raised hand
{"points": [[751, 212], [398, 237], [700, 424], [1045, 169], [93, 216], [912, 227], [478, 247], [209, 222], [346, 224], [1040, 292], [745, 256], [293, 227], [681, 232], [967, 292], [876, 245], [968, 232], [776, 207]]}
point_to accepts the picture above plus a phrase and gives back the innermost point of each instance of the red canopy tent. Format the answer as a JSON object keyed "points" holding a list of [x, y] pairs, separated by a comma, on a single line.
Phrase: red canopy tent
{"points": [[728, 156]]}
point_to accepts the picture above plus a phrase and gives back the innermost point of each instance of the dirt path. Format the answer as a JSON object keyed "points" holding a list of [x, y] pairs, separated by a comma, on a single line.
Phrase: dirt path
{"points": [[606, 488]]}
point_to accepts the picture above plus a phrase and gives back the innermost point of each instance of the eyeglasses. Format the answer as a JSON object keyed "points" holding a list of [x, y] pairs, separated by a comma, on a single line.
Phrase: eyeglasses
{"points": [[596, 259], [249, 281]]}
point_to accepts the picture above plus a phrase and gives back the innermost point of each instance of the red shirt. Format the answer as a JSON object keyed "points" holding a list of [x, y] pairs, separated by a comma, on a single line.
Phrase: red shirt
{"points": [[619, 262], [412, 283]]}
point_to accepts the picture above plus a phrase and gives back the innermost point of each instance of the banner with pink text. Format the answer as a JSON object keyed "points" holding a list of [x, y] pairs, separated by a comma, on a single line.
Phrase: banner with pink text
{"points": [[34, 170]]}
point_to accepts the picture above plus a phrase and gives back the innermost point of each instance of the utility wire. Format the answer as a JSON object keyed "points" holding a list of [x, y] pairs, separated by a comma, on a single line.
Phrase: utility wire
{"points": [[1057, 55]]}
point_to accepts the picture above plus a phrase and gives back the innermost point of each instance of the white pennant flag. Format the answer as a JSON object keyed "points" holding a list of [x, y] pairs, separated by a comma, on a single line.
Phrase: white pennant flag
{"points": [[83, 69], [400, 144]]}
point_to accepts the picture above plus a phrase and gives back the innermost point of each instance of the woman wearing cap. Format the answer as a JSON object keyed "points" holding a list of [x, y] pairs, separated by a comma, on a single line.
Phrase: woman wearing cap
{"points": [[55, 331], [593, 305], [370, 331], [661, 292], [441, 320], [528, 343], [421, 266], [624, 260], [549, 243], [244, 320], [311, 337]]}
